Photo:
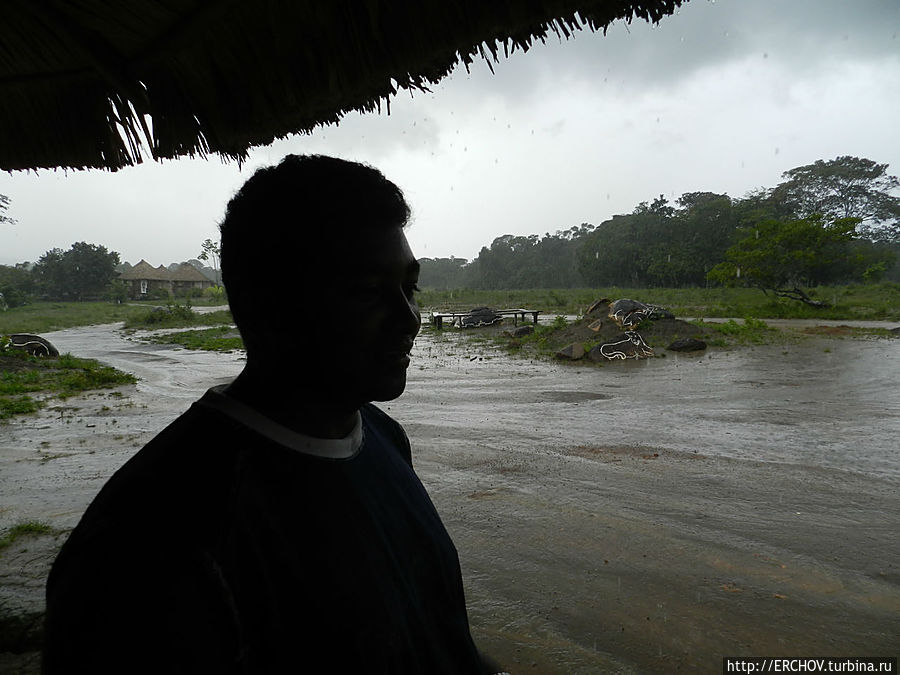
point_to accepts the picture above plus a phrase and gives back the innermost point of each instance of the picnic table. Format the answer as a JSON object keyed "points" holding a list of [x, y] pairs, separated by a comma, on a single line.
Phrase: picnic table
{"points": [[437, 318]]}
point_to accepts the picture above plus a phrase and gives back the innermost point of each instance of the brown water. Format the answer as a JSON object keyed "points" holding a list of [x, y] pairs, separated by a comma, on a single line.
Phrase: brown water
{"points": [[637, 517]]}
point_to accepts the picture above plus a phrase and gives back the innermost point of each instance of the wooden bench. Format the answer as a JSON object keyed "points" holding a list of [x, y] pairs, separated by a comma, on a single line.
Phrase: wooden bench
{"points": [[437, 318]]}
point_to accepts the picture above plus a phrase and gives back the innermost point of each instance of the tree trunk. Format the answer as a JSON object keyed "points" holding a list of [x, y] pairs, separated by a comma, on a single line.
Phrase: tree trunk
{"points": [[798, 294]]}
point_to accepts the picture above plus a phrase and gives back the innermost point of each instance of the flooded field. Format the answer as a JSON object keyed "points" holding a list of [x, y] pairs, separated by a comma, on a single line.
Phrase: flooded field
{"points": [[648, 516]]}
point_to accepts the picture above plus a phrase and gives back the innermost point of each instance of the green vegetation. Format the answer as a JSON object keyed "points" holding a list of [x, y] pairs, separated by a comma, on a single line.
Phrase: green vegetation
{"points": [[41, 317], [177, 316], [854, 302], [221, 339], [784, 257], [829, 222], [22, 375], [750, 331], [27, 528], [85, 271], [547, 339]]}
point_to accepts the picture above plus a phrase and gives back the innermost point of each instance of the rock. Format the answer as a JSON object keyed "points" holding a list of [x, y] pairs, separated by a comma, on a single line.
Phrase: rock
{"points": [[687, 345], [571, 352], [596, 325], [628, 313], [33, 344], [657, 312], [480, 316], [600, 306], [632, 346], [521, 331]]}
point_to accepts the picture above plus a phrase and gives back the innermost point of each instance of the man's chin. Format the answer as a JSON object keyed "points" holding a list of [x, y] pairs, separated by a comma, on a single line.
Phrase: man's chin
{"points": [[389, 391]]}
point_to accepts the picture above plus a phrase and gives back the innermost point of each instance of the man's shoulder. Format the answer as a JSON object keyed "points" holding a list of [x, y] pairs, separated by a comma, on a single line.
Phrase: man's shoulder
{"points": [[387, 428], [186, 467]]}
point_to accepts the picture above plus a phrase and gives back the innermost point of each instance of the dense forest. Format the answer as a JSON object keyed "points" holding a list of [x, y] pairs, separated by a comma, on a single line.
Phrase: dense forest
{"points": [[832, 221]]}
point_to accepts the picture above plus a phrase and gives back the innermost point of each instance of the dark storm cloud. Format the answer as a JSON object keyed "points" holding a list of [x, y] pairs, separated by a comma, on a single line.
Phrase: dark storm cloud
{"points": [[801, 34]]}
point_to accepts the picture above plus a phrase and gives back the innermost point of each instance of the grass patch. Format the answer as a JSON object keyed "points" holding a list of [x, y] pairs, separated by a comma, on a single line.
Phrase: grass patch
{"points": [[220, 339], [22, 375], [177, 316], [854, 302], [751, 331], [42, 317], [28, 528]]}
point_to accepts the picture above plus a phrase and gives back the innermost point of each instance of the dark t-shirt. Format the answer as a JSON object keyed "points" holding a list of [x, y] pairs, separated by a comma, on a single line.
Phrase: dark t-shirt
{"points": [[216, 549]]}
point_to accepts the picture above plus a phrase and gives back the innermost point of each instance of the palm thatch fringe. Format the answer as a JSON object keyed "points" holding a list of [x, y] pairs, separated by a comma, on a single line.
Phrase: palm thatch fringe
{"points": [[98, 83]]}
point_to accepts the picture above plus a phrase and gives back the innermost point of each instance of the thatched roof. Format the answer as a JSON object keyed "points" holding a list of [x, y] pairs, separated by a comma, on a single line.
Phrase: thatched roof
{"points": [[83, 83], [144, 270], [187, 272]]}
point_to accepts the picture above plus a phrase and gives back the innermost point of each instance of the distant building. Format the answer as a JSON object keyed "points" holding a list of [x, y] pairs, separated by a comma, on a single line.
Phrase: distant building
{"points": [[143, 280]]}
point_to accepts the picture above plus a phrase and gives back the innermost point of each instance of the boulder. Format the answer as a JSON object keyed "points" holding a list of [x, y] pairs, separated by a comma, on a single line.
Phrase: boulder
{"points": [[571, 352], [600, 307], [628, 313], [521, 331], [687, 345], [33, 344], [657, 312], [631, 346], [480, 316]]}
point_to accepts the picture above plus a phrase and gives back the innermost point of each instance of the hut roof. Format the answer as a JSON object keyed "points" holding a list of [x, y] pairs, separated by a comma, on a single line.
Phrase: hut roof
{"points": [[96, 83], [187, 272], [144, 270]]}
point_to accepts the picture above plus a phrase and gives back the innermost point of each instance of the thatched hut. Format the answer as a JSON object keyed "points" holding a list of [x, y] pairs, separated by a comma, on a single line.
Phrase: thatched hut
{"points": [[144, 281]]}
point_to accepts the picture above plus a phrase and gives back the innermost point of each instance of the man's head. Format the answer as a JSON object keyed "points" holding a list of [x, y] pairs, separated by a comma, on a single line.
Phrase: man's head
{"points": [[320, 277]]}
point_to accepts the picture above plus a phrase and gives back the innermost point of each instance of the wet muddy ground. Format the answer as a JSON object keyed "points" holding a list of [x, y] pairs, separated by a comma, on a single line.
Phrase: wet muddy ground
{"points": [[638, 517]]}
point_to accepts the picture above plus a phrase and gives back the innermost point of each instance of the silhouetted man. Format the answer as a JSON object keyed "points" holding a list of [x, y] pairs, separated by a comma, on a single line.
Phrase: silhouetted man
{"points": [[277, 526]]}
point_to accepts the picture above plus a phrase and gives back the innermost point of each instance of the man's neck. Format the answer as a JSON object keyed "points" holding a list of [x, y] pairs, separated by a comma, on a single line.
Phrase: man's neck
{"points": [[293, 407]]}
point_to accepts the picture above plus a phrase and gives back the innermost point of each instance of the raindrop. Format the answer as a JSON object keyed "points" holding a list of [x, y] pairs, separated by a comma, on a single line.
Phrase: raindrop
{"points": [[532, 132], [657, 120], [765, 55], [777, 150], [509, 126]]}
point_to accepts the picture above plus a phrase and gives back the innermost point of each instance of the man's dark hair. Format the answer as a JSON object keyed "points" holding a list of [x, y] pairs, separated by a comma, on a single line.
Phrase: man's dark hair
{"points": [[284, 214]]}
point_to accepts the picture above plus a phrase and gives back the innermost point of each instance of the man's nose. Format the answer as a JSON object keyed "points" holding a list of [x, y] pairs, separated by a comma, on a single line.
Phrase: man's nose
{"points": [[407, 311]]}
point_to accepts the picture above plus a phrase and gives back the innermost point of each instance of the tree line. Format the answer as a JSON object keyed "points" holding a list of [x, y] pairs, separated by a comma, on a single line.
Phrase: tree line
{"points": [[83, 272], [828, 222]]}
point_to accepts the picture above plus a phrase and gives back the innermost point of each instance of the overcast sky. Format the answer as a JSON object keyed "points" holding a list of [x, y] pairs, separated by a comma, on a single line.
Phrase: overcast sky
{"points": [[724, 96]]}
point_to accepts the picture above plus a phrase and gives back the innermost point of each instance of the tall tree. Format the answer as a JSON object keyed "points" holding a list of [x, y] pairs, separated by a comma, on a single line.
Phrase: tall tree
{"points": [[784, 257], [442, 273], [16, 285], [84, 271], [845, 187], [209, 252]]}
